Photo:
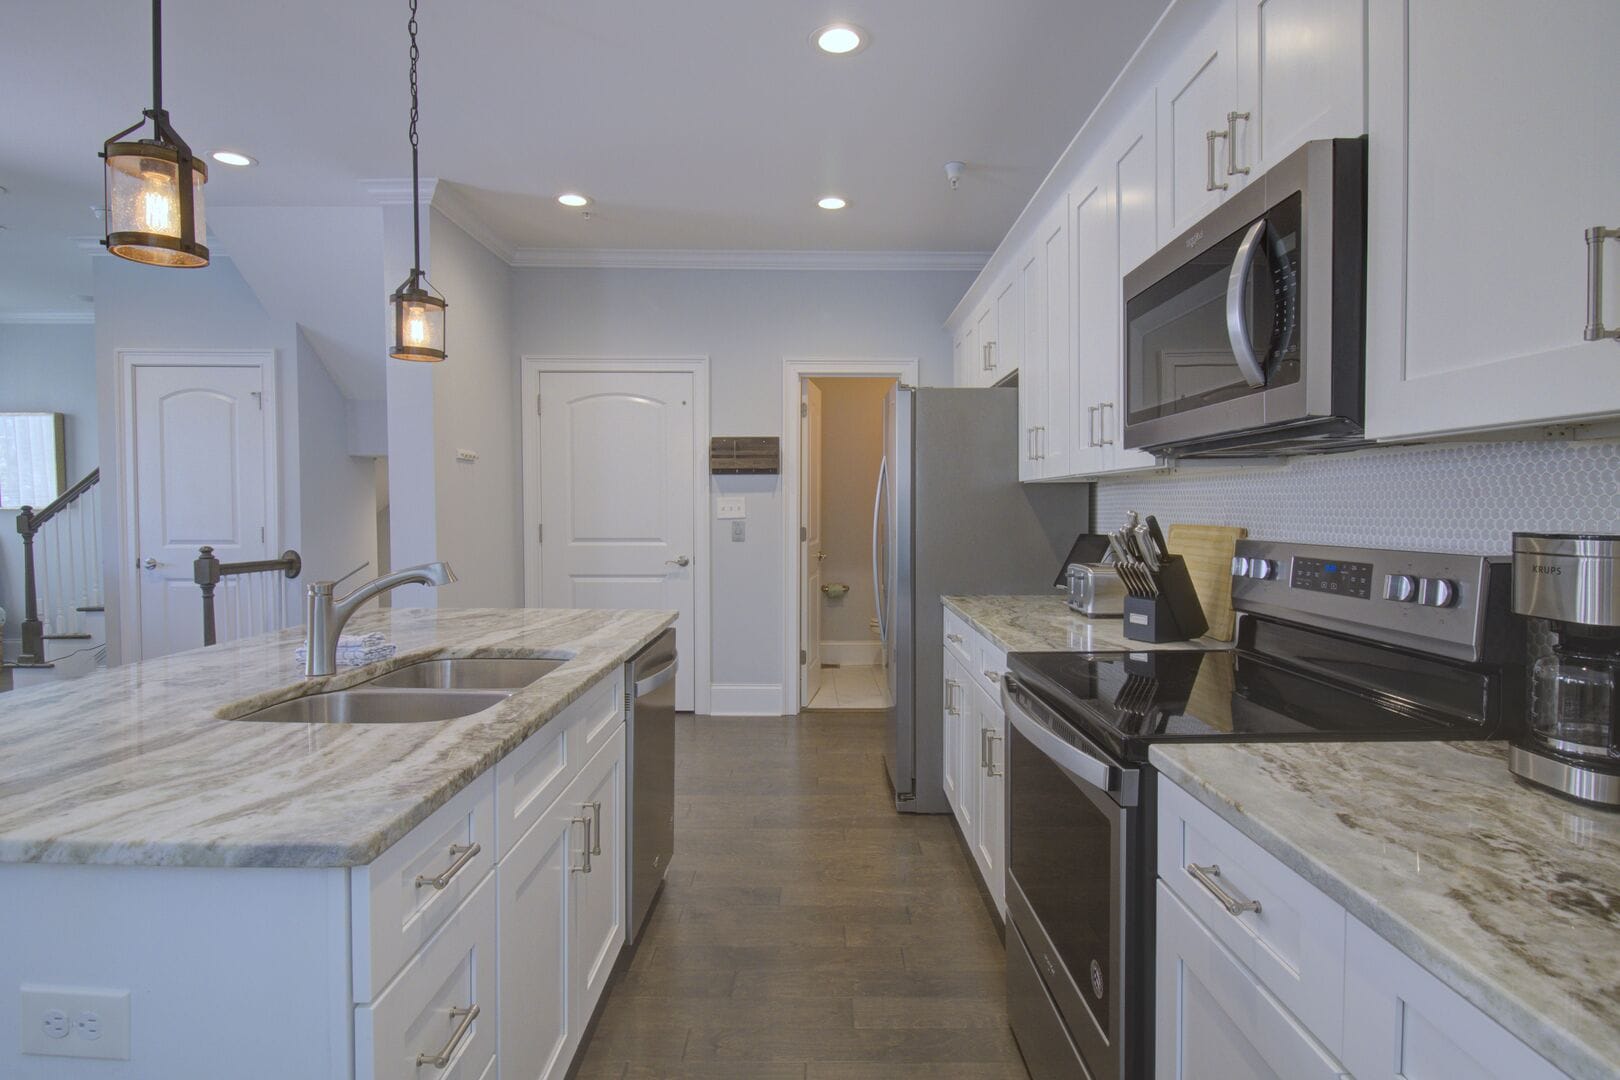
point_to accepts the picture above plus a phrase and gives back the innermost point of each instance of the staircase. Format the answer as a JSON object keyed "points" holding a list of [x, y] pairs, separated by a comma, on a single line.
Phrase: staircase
{"points": [[64, 627]]}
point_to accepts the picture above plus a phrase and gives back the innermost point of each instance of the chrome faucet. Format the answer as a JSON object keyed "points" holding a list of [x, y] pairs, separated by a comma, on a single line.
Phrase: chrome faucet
{"points": [[325, 618]]}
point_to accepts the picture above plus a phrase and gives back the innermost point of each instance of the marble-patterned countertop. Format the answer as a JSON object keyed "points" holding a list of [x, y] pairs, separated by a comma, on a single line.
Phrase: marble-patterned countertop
{"points": [[1047, 624], [1509, 895], [135, 765]]}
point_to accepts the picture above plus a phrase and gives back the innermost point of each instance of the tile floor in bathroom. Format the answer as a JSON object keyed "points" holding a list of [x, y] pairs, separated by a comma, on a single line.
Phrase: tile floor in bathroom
{"points": [[852, 688]]}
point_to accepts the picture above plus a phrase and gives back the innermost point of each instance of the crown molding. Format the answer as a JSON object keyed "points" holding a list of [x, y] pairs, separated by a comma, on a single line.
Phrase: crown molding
{"points": [[449, 201], [392, 191], [47, 318], [681, 259]]}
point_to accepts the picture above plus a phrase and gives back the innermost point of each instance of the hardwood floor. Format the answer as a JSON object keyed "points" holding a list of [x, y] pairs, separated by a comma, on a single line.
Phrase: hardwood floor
{"points": [[806, 930]]}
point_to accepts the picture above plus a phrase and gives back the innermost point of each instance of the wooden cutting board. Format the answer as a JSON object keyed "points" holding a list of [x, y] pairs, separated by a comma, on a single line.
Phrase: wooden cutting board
{"points": [[1208, 550]]}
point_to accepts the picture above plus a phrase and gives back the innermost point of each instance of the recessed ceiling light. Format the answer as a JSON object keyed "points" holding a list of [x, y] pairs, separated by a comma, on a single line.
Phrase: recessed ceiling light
{"points": [[832, 202], [574, 199], [234, 158], [840, 38]]}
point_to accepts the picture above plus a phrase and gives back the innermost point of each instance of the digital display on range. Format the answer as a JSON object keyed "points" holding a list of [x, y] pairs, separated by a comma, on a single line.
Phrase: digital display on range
{"points": [[1332, 576]]}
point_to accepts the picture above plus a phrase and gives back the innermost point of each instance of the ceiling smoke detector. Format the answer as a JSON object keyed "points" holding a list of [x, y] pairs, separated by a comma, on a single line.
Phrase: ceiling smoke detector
{"points": [[953, 172]]}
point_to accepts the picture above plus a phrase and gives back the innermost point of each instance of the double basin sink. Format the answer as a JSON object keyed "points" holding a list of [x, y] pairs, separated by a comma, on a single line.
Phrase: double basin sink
{"points": [[425, 691]]}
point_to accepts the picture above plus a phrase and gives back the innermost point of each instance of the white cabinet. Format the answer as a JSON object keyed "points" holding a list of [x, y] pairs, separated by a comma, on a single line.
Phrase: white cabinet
{"points": [[1400, 1021], [1215, 1021], [989, 837], [1007, 347], [599, 890], [1032, 392], [1196, 93], [1301, 67], [974, 750], [954, 698], [1046, 409], [1489, 156]]}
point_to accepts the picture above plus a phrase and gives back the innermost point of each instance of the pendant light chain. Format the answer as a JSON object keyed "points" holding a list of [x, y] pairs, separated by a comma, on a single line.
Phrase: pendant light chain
{"points": [[416, 193]]}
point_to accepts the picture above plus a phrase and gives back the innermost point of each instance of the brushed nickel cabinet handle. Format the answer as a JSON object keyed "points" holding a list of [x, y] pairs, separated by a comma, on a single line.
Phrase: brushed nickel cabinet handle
{"points": [[993, 676], [1103, 438], [957, 638], [442, 1058], [584, 866], [1595, 330], [1206, 875], [1232, 119], [990, 753], [462, 854], [1091, 425], [1040, 443], [984, 748], [1209, 144], [596, 827]]}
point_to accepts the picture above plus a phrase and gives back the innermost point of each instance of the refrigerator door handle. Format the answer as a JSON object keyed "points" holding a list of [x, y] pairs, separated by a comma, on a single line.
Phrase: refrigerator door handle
{"points": [[877, 557]]}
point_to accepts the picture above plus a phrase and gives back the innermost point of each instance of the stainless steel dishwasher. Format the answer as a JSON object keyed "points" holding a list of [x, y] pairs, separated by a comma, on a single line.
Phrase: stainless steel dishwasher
{"points": [[649, 690]]}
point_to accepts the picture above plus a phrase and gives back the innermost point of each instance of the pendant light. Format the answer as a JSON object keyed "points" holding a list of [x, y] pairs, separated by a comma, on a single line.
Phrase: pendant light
{"points": [[418, 312], [154, 187]]}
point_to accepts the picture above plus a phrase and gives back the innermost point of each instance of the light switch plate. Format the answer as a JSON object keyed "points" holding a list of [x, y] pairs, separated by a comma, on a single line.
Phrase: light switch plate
{"points": [[470, 457], [739, 531], [731, 506], [68, 1021]]}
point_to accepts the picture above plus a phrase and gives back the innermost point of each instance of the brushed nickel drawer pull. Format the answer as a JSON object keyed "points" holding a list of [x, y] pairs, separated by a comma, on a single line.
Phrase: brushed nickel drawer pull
{"points": [[993, 676], [584, 866], [596, 827], [442, 1058], [957, 638], [1206, 875], [984, 748], [990, 754], [463, 854]]}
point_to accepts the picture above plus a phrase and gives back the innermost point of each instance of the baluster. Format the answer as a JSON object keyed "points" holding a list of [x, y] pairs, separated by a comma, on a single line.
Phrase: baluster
{"points": [[55, 573], [76, 566], [95, 544]]}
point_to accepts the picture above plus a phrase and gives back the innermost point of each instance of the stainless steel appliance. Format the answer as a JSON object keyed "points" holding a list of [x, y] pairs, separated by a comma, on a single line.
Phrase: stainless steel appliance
{"points": [[953, 519], [649, 691], [1332, 645], [1570, 584], [1244, 335], [1096, 589]]}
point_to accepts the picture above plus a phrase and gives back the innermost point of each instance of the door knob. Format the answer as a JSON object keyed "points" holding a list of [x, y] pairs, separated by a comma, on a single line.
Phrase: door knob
{"points": [[679, 560], [821, 556], [151, 564]]}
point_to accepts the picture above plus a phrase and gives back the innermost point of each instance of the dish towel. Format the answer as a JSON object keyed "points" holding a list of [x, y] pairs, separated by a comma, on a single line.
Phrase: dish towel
{"points": [[356, 650]]}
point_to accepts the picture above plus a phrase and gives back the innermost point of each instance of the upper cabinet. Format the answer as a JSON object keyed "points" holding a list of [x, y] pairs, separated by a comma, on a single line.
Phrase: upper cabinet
{"points": [[1301, 71], [1490, 154], [1197, 102]]}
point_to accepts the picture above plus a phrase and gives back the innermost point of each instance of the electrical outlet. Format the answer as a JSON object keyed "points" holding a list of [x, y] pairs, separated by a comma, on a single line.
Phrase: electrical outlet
{"points": [[730, 506], [67, 1021], [739, 531]]}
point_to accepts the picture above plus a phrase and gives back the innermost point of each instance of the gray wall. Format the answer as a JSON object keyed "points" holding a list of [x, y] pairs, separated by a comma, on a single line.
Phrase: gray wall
{"points": [[45, 368], [851, 447], [747, 323]]}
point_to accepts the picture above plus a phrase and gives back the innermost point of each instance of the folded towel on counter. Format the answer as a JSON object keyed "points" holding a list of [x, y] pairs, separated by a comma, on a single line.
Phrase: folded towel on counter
{"points": [[356, 650]]}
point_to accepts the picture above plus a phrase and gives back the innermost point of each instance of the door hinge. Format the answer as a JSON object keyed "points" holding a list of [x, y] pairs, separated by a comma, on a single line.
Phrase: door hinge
{"points": [[261, 534], [804, 657], [804, 409], [539, 534], [258, 398], [804, 533], [537, 404]]}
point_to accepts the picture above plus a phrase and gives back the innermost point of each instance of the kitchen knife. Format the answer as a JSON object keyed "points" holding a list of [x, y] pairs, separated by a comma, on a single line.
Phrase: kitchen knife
{"points": [[1150, 550], [1127, 536], [1158, 537], [1117, 547]]}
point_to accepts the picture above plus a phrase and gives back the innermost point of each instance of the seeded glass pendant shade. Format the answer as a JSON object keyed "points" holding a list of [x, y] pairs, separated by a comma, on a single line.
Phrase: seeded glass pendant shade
{"points": [[154, 187], [418, 307]]}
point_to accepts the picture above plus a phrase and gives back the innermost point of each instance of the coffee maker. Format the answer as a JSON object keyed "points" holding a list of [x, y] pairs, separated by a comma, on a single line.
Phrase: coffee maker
{"points": [[1570, 583]]}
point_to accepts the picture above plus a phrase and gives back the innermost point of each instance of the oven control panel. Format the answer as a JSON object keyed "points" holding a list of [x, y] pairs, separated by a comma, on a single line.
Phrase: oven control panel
{"points": [[1343, 578]]}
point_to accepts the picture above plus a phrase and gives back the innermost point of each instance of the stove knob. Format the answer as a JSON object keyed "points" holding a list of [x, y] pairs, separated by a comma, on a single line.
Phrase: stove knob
{"points": [[1240, 566], [1402, 587], [1436, 592], [1262, 569]]}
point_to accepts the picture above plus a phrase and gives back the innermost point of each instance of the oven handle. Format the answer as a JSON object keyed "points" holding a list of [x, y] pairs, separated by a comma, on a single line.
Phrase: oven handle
{"points": [[1237, 319], [1095, 771]]}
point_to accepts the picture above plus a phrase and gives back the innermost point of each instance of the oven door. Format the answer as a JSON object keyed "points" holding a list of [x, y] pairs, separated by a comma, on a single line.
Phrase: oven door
{"points": [[1071, 822]]}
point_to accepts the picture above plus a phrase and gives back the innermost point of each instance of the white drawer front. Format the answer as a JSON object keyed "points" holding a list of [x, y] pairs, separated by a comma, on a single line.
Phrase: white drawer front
{"points": [[1294, 943], [425, 1013], [1213, 1020], [957, 636], [989, 665], [394, 914], [529, 779]]}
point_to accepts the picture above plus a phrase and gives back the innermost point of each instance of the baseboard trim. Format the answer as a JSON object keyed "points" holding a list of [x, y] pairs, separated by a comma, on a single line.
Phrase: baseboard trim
{"points": [[745, 699], [852, 653]]}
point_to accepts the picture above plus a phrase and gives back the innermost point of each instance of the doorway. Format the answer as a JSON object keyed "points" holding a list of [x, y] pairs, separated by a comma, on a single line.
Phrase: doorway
{"points": [[832, 461]]}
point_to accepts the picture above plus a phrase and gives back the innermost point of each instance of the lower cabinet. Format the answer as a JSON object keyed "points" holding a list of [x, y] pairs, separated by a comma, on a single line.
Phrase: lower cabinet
{"points": [[989, 836], [974, 748]]}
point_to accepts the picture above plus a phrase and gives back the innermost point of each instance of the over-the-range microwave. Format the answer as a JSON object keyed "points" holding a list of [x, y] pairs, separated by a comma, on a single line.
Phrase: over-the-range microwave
{"points": [[1245, 335]]}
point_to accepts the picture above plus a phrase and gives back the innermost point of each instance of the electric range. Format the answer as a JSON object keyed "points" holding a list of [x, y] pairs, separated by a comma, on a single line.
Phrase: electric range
{"points": [[1333, 644]]}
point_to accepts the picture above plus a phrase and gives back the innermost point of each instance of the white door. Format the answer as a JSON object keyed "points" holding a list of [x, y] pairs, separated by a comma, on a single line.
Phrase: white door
{"points": [[201, 449], [616, 491], [1491, 152], [810, 553], [1194, 97]]}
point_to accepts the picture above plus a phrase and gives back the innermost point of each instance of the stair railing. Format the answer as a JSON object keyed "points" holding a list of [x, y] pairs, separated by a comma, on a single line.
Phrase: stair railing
{"points": [[72, 575], [207, 571]]}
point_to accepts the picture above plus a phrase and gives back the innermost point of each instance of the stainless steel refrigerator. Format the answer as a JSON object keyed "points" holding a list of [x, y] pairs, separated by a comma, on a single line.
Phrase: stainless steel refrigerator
{"points": [[951, 518]]}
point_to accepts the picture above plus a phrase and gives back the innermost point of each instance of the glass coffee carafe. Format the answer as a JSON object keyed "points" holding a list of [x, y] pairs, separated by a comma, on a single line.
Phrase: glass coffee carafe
{"points": [[1575, 695]]}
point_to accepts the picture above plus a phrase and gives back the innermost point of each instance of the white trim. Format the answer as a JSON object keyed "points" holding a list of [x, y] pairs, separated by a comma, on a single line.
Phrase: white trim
{"points": [[396, 191], [793, 371], [851, 653], [126, 361], [449, 201], [745, 699], [48, 318], [698, 368], [681, 259]]}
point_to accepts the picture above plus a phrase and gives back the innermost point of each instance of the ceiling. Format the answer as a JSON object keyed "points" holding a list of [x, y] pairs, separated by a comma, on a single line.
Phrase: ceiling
{"points": [[706, 124]]}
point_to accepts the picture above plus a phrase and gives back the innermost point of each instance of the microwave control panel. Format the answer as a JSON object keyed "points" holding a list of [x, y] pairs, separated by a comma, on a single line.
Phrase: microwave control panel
{"points": [[1333, 576]]}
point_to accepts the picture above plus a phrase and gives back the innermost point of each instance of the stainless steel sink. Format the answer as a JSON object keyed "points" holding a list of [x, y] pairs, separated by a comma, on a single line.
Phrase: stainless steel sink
{"points": [[388, 706], [468, 673]]}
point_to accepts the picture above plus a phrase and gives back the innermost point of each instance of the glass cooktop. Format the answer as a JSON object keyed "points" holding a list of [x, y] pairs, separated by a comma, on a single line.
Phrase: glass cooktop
{"points": [[1281, 682]]}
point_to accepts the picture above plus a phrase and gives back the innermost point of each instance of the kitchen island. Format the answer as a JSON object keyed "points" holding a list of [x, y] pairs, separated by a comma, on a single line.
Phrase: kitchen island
{"points": [[314, 900]]}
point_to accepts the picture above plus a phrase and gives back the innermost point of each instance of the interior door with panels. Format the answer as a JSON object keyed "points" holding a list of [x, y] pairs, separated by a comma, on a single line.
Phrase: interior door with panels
{"points": [[1490, 154], [811, 556], [202, 456], [1195, 96], [1302, 67], [616, 496]]}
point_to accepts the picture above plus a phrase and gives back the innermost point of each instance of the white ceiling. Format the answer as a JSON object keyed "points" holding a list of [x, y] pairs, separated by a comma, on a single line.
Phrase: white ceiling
{"points": [[704, 124]]}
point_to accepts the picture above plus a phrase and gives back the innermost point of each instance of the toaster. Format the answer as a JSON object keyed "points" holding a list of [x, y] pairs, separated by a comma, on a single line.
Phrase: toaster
{"points": [[1095, 589]]}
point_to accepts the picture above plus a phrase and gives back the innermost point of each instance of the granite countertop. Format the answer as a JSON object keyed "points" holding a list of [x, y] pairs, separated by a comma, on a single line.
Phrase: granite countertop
{"points": [[1047, 624], [1509, 895], [135, 765]]}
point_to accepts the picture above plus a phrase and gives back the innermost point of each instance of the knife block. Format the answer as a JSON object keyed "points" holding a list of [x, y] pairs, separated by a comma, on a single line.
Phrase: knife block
{"points": [[1174, 615]]}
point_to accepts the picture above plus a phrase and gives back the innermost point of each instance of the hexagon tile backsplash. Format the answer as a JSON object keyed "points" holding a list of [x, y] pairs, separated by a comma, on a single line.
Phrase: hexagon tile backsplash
{"points": [[1464, 497]]}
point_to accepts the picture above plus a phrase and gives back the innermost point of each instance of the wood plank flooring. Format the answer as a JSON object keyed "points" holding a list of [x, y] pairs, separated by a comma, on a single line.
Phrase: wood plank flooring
{"points": [[806, 930]]}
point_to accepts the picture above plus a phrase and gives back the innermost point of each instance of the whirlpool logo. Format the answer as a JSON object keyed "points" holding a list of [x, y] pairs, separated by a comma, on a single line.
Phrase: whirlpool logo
{"points": [[1195, 239], [1546, 568]]}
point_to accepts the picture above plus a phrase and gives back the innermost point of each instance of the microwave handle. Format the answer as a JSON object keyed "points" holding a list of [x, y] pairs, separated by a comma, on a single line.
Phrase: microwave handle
{"points": [[1237, 318]]}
